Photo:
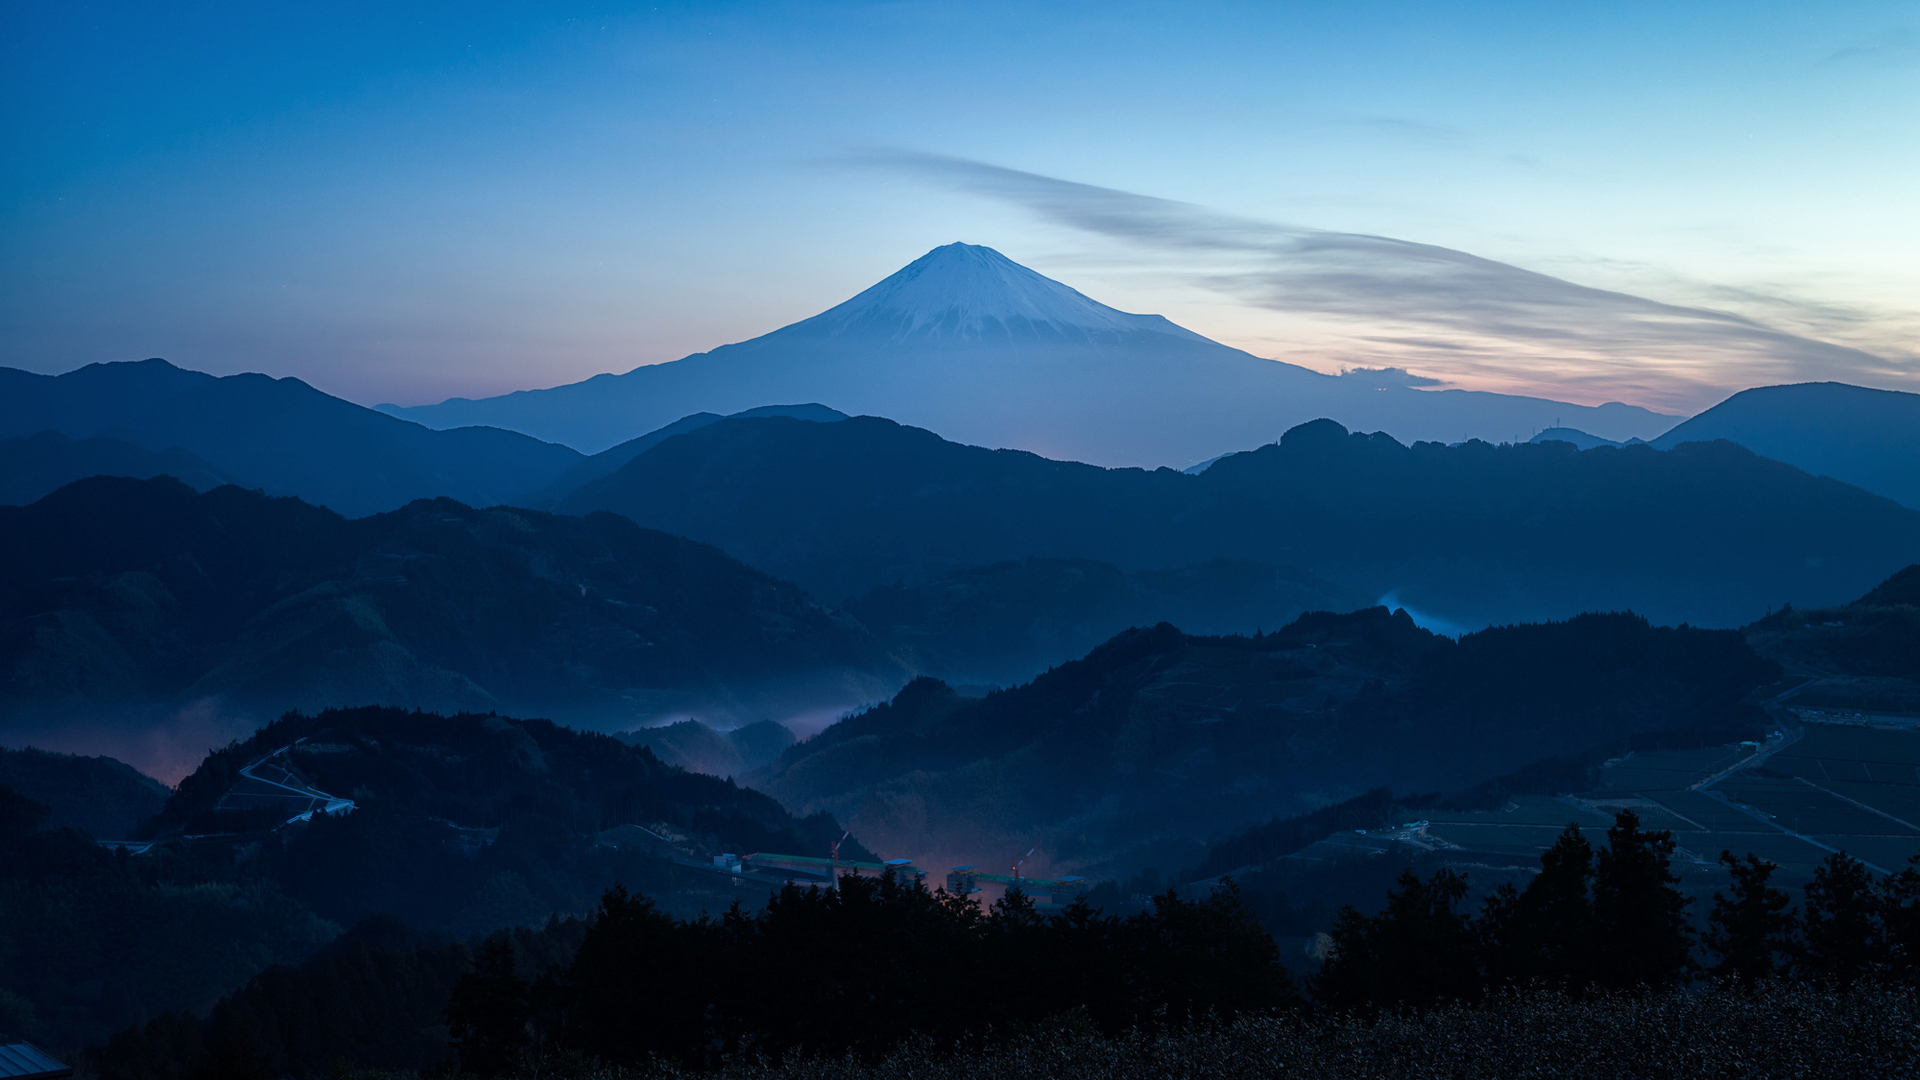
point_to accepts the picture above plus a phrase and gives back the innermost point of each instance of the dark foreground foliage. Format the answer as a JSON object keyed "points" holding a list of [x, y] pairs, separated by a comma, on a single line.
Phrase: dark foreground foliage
{"points": [[1612, 921], [91, 940], [1733, 1032], [859, 969]]}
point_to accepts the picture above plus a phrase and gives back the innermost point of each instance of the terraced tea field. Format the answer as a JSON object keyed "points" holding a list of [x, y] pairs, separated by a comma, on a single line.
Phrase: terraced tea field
{"points": [[1793, 800]]}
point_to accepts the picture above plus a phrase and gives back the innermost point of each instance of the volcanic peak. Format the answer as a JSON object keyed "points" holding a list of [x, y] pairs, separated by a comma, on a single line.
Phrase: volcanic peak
{"points": [[965, 291]]}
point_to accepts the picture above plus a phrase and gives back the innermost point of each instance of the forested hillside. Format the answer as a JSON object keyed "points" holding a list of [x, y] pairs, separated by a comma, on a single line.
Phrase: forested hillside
{"points": [[1157, 735], [119, 594], [1707, 533]]}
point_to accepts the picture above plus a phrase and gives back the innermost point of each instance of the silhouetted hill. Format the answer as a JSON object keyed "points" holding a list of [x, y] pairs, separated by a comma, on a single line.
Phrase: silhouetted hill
{"points": [[108, 799], [468, 823], [1577, 437], [1157, 735], [1868, 438], [281, 435], [1005, 623], [844, 507], [1706, 533], [38, 465], [694, 746], [1901, 588], [611, 459], [459, 824], [1862, 657], [118, 593]]}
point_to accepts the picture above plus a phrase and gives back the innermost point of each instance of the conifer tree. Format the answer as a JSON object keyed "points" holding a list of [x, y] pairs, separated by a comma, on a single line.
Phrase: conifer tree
{"points": [[1752, 929], [1845, 938], [488, 1010], [1643, 939], [1900, 918], [1419, 950], [1545, 932]]}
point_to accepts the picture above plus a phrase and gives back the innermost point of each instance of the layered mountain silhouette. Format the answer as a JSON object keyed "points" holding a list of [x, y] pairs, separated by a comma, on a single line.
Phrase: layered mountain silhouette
{"points": [[280, 435], [609, 460], [123, 597], [698, 747], [1869, 438], [41, 464], [1707, 533], [1004, 623], [1159, 736], [971, 344], [109, 799]]}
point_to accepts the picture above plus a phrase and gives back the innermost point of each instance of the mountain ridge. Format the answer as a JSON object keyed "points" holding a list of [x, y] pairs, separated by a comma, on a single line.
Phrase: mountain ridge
{"points": [[280, 435], [969, 343], [1857, 434], [136, 603], [1708, 533]]}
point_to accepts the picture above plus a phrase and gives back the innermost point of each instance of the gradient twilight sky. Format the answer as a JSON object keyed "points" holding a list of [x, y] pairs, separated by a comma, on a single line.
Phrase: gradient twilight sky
{"points": [[409, 202]]}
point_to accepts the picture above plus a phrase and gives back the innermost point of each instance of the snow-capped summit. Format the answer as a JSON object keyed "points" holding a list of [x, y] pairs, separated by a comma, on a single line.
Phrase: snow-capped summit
{"points": [[967, 293], [970, 344]]}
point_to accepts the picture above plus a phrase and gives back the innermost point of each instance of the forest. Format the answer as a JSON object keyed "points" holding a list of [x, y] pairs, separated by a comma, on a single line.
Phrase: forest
{"points": [[880, 972]]}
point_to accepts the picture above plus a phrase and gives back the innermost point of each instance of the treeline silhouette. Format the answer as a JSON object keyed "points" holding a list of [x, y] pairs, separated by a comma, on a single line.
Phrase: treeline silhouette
{"points": [[859, 969], [1612, 920], [879, 973]]}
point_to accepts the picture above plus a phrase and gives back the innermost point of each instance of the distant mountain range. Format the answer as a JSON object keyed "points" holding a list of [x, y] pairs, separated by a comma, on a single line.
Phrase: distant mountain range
{"points": [[1580, 438], [43, 463], [1868, 438], [1706, 533], [966, 342], [1005, 623], [133, 599], [277, 434]]}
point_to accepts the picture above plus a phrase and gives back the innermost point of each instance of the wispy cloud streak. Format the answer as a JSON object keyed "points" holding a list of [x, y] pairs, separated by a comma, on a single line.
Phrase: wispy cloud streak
{"points": [[1382, 301]]}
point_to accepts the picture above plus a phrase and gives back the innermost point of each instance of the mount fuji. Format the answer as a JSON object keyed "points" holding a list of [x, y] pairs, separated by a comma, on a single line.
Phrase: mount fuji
{"points": [[968, 343]]}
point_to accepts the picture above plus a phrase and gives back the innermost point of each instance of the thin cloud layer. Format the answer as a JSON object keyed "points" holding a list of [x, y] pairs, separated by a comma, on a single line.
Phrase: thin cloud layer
{"points": [[1367, 301]]}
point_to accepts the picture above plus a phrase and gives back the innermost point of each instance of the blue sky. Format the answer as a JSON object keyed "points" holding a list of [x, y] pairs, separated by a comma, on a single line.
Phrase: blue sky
{"points": [[1657, 203]]}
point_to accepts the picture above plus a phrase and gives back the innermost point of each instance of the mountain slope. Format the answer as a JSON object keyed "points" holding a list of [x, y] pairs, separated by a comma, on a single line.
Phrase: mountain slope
{"points": [[469, 823], [281, 435], [610, 460], [1007, 622], [1707, 533], [1862, 657], [41, 464], [971, 344], [130, 597], [108, 799], [1158, 736], [1868, 438]]}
